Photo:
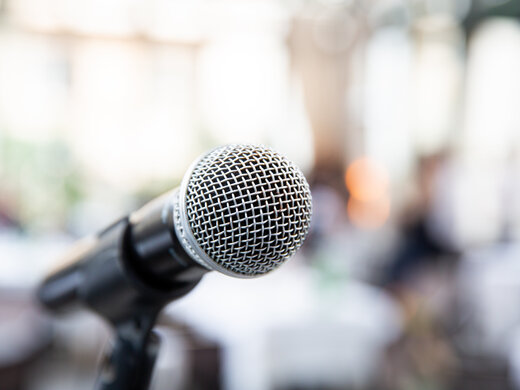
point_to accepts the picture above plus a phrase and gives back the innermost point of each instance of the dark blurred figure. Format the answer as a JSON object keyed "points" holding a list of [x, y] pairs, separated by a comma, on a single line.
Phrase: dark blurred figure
{"points": [[422, 247], [420, 277]]}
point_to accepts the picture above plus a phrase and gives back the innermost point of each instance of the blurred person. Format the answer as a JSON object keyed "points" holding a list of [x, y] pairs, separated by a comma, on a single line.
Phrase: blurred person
{"points": [[420, 277], [426, 240]]}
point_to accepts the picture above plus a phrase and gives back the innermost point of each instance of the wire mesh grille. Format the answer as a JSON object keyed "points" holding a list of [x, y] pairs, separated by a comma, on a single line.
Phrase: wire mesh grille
{"points": [[248, 208]]}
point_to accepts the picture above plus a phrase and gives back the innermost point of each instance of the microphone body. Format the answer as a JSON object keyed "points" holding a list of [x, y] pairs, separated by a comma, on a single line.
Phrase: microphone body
{"points": [[241, 210], [134, 264]]}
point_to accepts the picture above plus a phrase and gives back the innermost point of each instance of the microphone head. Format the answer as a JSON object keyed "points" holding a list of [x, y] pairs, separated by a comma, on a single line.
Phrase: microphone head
{"points": [[242, 210]]}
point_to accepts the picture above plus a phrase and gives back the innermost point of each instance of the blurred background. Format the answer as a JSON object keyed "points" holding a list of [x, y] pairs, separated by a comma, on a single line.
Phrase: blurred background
{"points": [[404, 116]]}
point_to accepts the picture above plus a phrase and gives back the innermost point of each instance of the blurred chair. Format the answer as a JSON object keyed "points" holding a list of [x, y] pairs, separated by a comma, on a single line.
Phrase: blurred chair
{"points": [[25, 334]]}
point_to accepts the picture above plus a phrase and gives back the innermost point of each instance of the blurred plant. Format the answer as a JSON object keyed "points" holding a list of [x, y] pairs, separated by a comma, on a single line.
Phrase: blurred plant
{"points": [[40, 182]]}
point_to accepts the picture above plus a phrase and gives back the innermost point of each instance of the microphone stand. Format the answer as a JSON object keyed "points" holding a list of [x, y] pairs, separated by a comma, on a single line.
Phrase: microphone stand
{"points": [[130, 361], [109, 282]]}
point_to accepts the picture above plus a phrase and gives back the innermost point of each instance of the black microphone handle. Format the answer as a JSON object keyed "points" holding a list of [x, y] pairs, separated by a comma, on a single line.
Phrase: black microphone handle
{"points": [[134, 263]]}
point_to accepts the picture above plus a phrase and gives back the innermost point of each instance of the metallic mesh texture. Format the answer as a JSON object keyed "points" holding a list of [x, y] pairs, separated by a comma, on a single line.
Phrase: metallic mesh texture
{"points": [[248, 208]]}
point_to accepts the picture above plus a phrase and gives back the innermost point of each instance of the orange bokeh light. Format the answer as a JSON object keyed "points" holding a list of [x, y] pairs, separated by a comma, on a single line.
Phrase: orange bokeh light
{"points": [[368, 215], [369, 203], [366, 180]]}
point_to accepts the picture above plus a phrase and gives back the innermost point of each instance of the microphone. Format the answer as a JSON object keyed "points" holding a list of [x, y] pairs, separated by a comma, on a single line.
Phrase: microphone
{"points": [[241, 210]]}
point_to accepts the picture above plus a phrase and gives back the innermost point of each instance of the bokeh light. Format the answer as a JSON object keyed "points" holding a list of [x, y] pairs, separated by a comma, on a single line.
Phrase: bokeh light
{"points": [[366, 180], [369, 203]]}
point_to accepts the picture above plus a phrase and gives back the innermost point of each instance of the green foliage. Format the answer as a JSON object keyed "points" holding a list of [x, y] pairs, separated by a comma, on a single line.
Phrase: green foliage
{"points": [[41, 181]]}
